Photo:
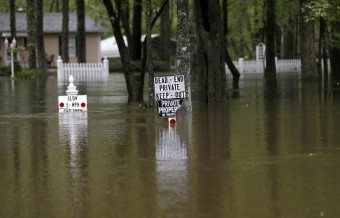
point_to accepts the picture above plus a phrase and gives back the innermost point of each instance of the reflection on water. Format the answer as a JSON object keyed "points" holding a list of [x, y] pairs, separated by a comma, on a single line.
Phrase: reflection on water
{"points": [[172, 172], [264, 154], [73, 139]]}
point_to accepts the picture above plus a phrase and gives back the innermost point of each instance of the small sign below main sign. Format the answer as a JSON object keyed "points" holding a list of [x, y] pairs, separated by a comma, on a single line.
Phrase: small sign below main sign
{"points": [[169, 87], [167, 108], [72, 103]]}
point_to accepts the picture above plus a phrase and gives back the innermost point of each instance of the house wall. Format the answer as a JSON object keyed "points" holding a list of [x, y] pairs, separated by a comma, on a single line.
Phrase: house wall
{"points": [[93, 48], [51, 43]]}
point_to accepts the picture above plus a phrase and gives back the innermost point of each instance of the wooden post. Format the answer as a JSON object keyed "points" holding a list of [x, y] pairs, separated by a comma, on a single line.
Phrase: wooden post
{"points": [[60, 68]]}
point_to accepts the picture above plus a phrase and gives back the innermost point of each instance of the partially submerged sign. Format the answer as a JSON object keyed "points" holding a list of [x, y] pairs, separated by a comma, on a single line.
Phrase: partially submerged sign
{"points": [[169, 87], [71, 103], [167, 108]]}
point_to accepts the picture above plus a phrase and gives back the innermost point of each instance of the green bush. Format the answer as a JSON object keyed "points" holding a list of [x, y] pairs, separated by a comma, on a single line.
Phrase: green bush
{"points": [[5, 70], [28, 73]]}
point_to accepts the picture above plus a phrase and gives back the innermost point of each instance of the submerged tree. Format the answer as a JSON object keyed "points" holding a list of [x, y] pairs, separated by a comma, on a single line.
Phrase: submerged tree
{"points": [[114, 15], [234, 71], [31, 35], [41, 63], [270, 70], [307, 47], [210, 58], [149, 58], [183, 46]]}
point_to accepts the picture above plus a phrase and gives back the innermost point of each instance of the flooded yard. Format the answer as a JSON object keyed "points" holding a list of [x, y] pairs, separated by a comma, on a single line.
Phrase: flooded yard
{"points": [[261, 155]]}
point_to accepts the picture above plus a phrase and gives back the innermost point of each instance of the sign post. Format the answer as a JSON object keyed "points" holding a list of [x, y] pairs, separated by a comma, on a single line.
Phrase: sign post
{"points": [[72, 101], [169, 93]]}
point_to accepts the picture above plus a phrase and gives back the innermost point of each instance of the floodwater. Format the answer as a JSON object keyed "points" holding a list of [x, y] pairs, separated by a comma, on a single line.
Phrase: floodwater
{"points": [[263, 154]]}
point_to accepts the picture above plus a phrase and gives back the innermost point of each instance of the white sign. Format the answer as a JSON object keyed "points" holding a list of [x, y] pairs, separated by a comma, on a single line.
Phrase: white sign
{"points": [[72, 103], [169, 87], [167, 108]]}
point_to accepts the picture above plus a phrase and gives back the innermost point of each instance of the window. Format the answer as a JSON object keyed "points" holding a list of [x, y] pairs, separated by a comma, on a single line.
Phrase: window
{"points": [[72, 46]]}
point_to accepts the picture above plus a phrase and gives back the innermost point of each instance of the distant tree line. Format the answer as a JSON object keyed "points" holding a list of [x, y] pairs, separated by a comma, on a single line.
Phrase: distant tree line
{"points": [[220, 30]]}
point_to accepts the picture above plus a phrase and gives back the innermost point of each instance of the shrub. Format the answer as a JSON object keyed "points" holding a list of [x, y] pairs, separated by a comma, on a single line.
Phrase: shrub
{"points": [[28, 73], [5, 70]]}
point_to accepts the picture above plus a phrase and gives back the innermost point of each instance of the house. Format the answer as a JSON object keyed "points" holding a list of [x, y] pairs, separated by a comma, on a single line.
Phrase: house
{"points": [[52, 37], [109, 47]]}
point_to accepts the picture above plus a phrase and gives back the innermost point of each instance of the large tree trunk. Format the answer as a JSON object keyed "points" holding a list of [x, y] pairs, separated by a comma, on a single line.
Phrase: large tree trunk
{"points": [[288, 45], [65, 32], [228, 60], [40, 37], [31, 35], [270, 70], [183, 47], [125, 20], [81, 40], [307, 48], [13, 23], [12, 18], [124, 55], [149, 58], [335, 58], [212, 60], [136, 47], [165, 36]]}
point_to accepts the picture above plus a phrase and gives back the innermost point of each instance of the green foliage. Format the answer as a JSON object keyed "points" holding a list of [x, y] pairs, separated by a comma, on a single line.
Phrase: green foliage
{"points": [[316, 9], [28, 74], [5, 70]]}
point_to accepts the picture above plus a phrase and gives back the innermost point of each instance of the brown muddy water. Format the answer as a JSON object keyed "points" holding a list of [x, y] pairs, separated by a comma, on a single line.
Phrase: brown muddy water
{"points": [[260, 155]]}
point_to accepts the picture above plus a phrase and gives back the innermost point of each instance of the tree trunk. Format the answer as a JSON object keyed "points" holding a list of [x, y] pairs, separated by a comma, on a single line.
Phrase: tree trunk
{"points": [[144, 59], [335, 58], [40, 37], [124, 55], [13, 23], [12, 18], [65, 32], [228, 60], [288, 46], [149, 63], [307, 48], [183, 49], [81, 40], [31, 34], [212, 60], [136, 45], [270, 70], [125, 20], [165, 28]]}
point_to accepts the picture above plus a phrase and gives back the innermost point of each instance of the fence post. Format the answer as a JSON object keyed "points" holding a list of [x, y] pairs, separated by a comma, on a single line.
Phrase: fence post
{"points": [[241, 65], [60, 70], [106, 66], [276, 67]]}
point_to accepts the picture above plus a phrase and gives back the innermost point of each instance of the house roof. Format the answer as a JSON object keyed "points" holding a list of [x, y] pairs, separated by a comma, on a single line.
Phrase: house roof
{"points": [[52, 23]]}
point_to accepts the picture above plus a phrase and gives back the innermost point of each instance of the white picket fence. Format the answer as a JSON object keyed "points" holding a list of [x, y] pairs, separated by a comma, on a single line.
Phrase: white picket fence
{"points": [[83, 71], [257, 67]]}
